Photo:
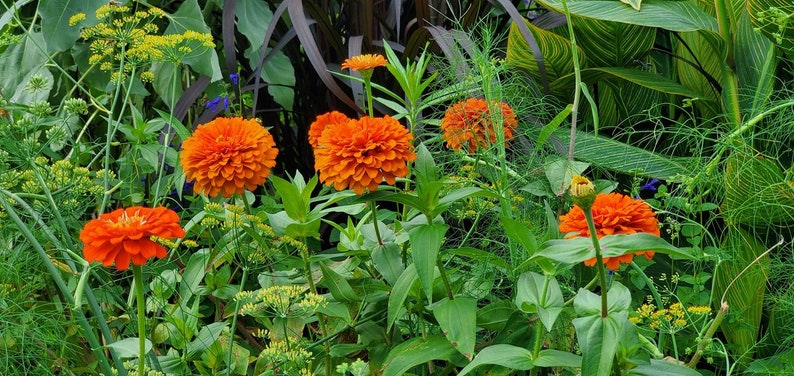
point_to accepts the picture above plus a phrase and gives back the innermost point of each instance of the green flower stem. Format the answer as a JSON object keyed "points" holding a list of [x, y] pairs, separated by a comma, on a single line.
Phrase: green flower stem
{"points": [[650, 347], [320, 318], [368, 89], [588, 215], [138, 280], [374, 209], [442, 269], [709, 333], [539, 325], [234, 322]]}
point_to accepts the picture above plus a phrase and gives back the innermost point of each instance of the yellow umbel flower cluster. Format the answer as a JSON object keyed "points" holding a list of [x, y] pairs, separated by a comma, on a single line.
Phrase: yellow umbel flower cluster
{"points": [[280, 301], [124, 40], [669, 320]]}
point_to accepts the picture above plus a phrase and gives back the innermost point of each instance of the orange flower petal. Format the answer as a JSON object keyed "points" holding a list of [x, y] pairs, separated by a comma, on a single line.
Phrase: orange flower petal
{"points": [[361, 154], [613, 213], [364, 62], [124, 235], [469, 124], [228, 155]]}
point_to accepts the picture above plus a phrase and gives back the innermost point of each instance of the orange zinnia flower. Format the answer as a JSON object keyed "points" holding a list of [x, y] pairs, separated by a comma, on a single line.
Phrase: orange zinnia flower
{"points": [[228, 155], [613, 214], [469, 124], [362, 153], [318, 126], [125, 234], [364, 62]]}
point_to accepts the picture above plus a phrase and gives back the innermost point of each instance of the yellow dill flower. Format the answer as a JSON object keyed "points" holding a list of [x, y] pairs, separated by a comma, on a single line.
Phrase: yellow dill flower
{"points": [[147, 76], [76, 18], [699, 310], [190, 243]]}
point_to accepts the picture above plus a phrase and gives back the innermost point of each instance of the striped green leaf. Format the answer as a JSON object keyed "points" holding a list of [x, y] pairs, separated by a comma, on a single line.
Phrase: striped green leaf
{"points": [[670, 15], [624, 158], [556, 51], [612, 44], [745, 283], [757, 192], [639, 77]]}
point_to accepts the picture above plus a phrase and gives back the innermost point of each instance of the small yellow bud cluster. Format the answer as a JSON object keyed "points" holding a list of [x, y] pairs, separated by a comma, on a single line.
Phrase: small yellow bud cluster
{"points": [[669, 320], [583, 192], [280, 301]]}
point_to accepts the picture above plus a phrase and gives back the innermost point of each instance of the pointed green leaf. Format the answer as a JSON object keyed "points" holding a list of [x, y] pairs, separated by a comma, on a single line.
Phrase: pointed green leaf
{"points": [[458, 320], [556, 358], [636, 4], [513, 357], [658, 367], [579, 249], [669, 15], [399, 292], [640, 77], [425, 243], [339, 287], [416, 351], [386, 259], [530, 297], [559, 173], [128, 347]]}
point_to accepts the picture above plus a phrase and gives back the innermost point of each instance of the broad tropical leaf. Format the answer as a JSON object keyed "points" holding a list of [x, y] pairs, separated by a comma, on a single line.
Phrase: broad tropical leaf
{"points": [[556, 51], [757, 192], [670, 15]]}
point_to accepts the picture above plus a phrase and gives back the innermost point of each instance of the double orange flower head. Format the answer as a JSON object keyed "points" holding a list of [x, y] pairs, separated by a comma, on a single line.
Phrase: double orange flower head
{"points": [[359, 154], [125, 235], [470, 124], [613, 214]]}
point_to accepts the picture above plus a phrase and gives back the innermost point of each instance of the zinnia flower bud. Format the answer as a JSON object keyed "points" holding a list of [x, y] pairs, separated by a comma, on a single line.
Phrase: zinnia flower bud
{"points": [[582, 191]]}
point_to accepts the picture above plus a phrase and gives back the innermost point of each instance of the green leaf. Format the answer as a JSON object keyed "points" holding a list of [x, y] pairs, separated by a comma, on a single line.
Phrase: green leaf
{"points": [[206, 337], [425, 243], [621, 157], [556, 358], [128, 347], [669, 15], [636, 4], [416, 351], [555, 49], [559, 173], [579, 249], [494, 316], [402, 288], [291, 198], [530, 297], [598, 336], [757, 192], [640, 77], [513, 357], [756, 62], [193, 275], [458, 320], [552, 126], [18, 63], [386, 259], [339, 287], [480, 256], [55, 16], [253, 18], [747, 289], [661, 368], [589, 303]]}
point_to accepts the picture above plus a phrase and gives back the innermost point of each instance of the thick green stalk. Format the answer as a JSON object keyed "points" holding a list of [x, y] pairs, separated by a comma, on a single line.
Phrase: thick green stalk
{"points": [[539, 326], [709, 333], [141, 303], [374, 209], [588, 215]]}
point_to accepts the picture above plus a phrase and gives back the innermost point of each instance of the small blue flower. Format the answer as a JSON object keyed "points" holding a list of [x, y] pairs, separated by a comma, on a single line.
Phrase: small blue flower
{"points": [[650, 186], [213, 104], [235, 78]]}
